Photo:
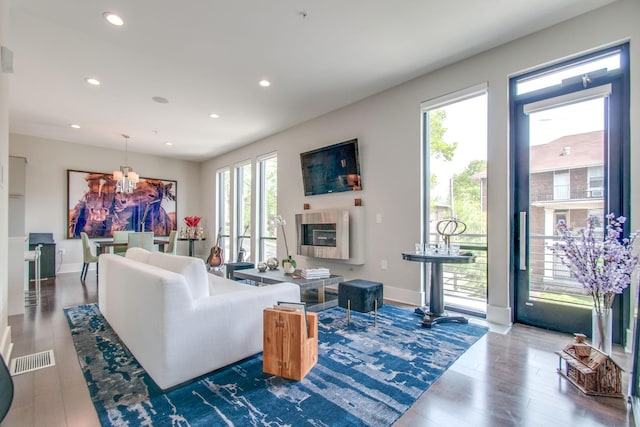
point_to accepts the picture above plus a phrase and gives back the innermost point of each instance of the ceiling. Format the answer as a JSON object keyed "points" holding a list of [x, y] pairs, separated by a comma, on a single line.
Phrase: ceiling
{"points": [[207, 56]]}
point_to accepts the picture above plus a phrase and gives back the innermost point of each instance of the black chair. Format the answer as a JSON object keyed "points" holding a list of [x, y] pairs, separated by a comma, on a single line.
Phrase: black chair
{"points": [[6, 389]]}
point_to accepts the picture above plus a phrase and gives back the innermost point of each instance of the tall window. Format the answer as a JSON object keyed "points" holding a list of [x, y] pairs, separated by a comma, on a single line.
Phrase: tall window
{"points": [[267, 205], [454, 177], [224, 209], [243, 211]]}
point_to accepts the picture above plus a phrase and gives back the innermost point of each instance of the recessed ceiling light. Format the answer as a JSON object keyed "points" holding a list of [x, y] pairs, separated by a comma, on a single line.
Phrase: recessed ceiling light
{"points": [[168, 143], [113, 18], [214, 116], [93, 81], [75, 126], [264, 83], [160, 99]]}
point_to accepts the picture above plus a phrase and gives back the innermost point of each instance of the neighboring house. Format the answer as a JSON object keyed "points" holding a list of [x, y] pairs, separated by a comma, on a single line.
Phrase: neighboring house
{"points": [[566, 183]]}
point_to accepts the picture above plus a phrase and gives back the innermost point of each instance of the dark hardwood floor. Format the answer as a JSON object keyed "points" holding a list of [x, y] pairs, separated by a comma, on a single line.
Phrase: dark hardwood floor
{"points": [[503, 380]]}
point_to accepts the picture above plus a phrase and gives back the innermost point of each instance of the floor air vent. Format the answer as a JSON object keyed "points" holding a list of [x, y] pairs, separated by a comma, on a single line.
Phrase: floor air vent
{"points": [[32, 362]]}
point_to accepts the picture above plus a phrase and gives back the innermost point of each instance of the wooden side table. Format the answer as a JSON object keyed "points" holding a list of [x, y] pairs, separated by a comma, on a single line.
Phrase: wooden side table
{"points": [[287, 350]]}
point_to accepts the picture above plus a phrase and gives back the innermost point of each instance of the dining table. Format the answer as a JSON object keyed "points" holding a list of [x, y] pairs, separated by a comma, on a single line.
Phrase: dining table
{"points": [[103, 246]]}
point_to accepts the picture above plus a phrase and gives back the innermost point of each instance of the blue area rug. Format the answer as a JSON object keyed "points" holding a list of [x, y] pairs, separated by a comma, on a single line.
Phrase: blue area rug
{"points": [[365, 375]]}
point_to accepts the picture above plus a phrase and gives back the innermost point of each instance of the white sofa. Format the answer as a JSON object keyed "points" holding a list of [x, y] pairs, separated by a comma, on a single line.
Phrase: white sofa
{"points": [[178, 320]]}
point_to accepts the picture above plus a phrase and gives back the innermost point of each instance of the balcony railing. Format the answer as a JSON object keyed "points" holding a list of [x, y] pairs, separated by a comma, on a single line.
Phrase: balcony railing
{"points": [[549, 279], [564, 192]]}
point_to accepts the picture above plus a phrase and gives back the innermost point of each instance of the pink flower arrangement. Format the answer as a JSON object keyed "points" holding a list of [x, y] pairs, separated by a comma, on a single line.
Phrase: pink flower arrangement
{"points": [[603, 266], [192, 221]]}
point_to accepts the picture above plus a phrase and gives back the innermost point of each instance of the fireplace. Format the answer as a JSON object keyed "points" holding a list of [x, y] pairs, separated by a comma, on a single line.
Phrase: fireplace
{"points": [[323, 234]]}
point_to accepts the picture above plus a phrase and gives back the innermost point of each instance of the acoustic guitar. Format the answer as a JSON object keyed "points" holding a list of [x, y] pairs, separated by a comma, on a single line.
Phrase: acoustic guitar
{"points": [[216, 258]]}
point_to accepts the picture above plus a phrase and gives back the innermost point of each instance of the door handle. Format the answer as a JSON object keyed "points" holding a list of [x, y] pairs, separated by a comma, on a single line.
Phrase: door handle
{"points": [[523, 240]]}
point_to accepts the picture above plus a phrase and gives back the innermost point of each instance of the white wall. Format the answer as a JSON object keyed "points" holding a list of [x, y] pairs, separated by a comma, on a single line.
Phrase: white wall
{"points": [[5, 332], [388, 128], [46, 185]]}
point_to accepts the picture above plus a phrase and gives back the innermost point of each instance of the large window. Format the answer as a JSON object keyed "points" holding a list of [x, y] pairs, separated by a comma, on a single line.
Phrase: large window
{"points": [[243, 212], [267, 205], [455, 178], [224, 209]]}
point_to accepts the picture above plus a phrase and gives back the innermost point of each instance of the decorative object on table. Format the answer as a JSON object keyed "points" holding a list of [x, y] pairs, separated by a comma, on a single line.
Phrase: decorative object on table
{"points": [[262, 267], [126, 179], [241, 252], [216, 256], [273, 263], [315, 273], [447, 228], [603, 266], [288, 267], [279, 220], [95, 208], [192, 226], [589, 369]]}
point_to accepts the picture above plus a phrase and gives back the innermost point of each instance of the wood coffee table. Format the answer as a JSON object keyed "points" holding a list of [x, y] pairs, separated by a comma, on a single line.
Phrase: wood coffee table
{"points": [[308, 287]]}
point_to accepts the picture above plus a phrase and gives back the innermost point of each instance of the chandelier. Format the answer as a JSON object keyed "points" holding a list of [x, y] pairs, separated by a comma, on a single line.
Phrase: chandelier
{"points": [[126, 179]]}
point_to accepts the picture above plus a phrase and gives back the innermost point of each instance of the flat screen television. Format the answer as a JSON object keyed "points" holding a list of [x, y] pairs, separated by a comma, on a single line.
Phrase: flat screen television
{"points": [[331, 169]]}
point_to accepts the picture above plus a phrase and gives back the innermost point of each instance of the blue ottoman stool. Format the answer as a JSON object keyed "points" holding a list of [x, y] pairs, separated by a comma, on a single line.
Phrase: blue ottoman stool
{"points": [[360, 295]]}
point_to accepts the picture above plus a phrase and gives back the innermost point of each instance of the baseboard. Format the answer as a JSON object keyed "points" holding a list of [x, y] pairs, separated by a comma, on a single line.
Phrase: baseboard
{"points": [[404, 296], [499, 315], [6, 346], [74, 267]]}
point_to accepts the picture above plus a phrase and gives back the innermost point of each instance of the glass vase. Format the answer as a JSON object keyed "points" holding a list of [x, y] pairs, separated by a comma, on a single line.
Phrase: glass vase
{"points": [[602, 330]]}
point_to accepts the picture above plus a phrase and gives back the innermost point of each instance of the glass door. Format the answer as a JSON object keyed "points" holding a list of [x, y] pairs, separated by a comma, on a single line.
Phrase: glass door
{"points": [[568, 165]]}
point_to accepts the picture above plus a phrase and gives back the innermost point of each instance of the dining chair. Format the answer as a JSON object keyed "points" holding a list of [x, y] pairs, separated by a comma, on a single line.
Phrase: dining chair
{"points": [[171, 247], [87, 257], [120, 237], [142, 239]]}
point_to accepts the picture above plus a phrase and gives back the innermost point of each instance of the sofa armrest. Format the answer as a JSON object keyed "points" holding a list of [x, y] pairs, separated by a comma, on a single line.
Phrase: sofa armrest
{"points": [[232, 319]]}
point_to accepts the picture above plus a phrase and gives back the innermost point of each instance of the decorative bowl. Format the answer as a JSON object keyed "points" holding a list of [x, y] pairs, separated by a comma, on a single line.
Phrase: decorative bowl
{"points": [[272, 263]]}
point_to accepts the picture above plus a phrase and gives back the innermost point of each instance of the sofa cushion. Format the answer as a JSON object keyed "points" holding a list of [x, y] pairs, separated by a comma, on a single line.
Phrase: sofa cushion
{"points": [[220, 285], [193, 270], [138, 254]]}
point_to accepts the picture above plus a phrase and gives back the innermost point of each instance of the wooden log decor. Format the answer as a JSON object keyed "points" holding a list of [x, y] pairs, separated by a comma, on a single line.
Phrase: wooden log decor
{"points": [[287, 350]]}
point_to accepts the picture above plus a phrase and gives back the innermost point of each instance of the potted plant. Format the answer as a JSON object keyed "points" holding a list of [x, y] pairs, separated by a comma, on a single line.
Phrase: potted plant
{"points": [[280, 221], [602, 265]]}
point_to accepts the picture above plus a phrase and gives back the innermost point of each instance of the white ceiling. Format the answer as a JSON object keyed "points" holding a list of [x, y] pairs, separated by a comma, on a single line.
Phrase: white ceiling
{"points": [[208, 55]]}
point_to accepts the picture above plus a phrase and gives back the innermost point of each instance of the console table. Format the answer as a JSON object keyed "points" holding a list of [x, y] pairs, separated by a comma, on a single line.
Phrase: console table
{"points": [[436, 313], [191, 240], [270, 277]]}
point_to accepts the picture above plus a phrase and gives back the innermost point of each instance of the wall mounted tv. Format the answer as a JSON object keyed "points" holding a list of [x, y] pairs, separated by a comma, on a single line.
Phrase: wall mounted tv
{"points": [[331, 169]]}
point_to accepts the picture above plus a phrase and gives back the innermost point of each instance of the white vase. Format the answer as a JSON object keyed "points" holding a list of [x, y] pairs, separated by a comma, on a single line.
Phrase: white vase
{"points": [[602, 330], [288, 267]]}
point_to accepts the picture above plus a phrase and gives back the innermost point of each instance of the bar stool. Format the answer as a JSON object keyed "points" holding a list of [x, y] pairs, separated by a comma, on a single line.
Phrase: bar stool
{"points": [[34, 256]]}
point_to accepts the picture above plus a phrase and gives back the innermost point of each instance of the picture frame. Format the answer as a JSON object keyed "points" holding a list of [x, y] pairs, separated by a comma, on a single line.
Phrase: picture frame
{"points": [[94, 206]]}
